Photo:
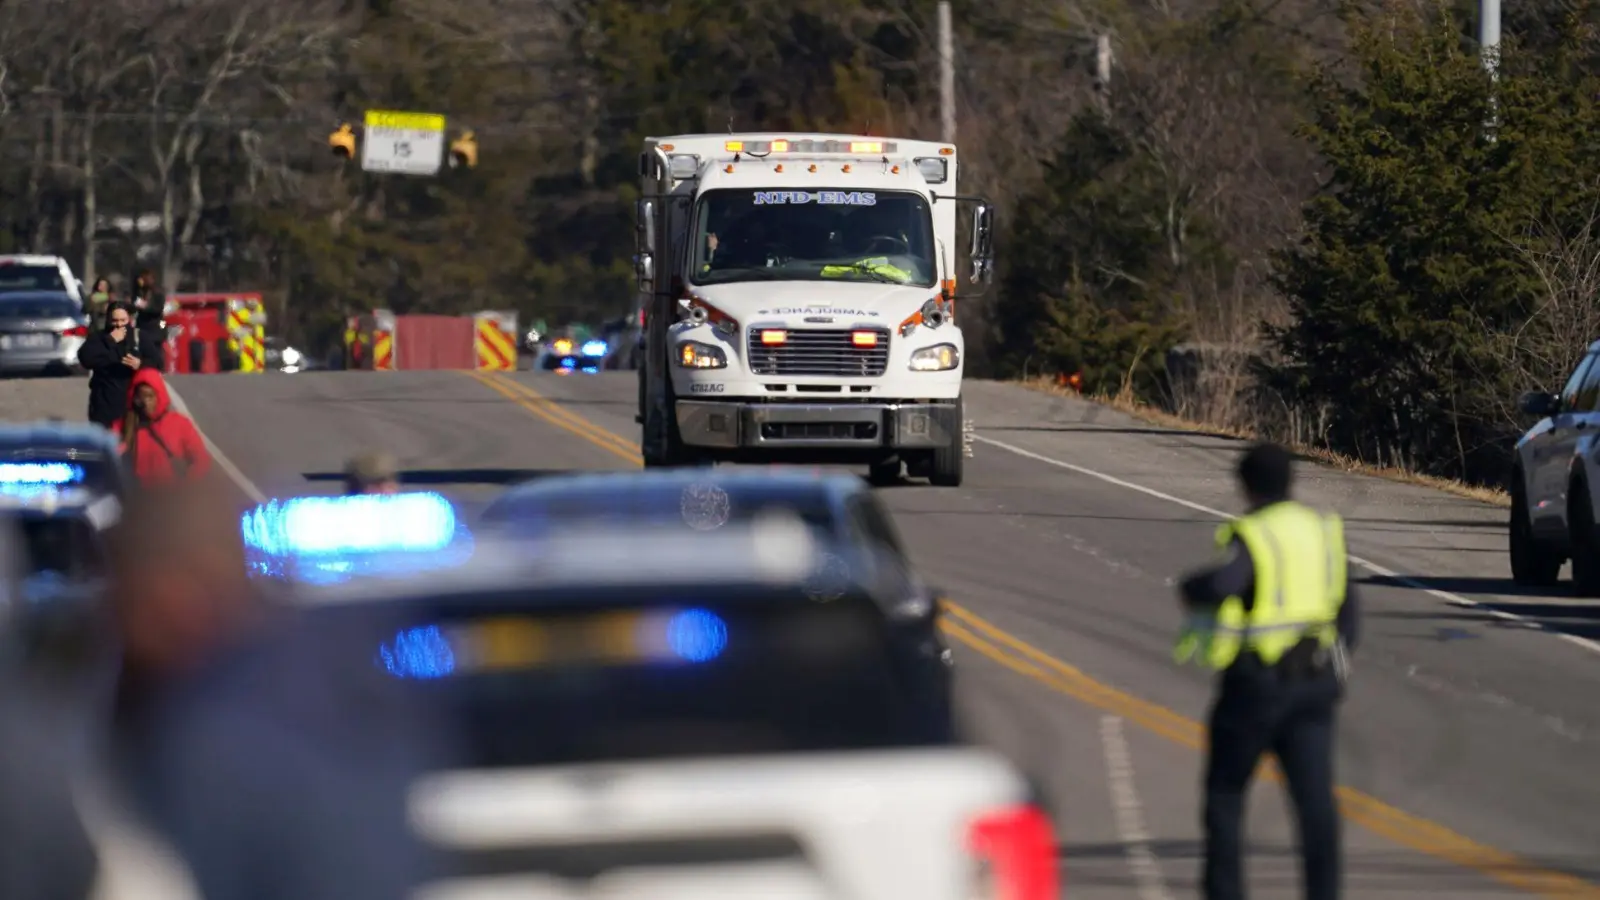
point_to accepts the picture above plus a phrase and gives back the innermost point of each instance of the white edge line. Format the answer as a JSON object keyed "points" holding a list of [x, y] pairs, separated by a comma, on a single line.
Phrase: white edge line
{"points": [[1446, 596], [1129, 812], [221, 459]]}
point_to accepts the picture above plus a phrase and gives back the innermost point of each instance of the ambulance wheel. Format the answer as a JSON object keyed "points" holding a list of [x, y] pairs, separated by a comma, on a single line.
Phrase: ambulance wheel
{"points": [[676, 454], [949, 461]]}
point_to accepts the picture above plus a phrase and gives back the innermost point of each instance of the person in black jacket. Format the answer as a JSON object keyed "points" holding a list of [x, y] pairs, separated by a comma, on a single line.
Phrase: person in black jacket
{"points": [[149, 304], [113, 355]]}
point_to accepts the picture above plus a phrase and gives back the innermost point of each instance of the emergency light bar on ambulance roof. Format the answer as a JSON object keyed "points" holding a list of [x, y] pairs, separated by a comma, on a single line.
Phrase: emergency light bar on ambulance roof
{"points": [[809, 146], [934, 169]]}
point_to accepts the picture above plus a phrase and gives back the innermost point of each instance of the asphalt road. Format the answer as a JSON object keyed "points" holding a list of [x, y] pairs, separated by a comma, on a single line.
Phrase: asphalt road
{"points": [[1470, 742]]}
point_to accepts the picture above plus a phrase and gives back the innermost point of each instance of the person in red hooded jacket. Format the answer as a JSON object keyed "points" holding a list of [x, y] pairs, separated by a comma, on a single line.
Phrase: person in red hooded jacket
{"points": [[161, 445]]}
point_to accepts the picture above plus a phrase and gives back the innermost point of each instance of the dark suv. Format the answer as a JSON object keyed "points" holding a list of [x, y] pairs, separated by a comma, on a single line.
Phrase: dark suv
{"points": [[1553, 483]]}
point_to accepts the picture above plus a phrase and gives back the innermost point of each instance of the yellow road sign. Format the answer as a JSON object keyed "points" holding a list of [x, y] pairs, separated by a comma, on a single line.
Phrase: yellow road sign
{"points": [[403, 143], [409, 121]]}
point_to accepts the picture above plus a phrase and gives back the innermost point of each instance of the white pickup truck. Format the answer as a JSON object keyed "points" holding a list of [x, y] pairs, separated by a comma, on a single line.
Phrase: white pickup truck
{"points": [[936, 825], [799, 293]]}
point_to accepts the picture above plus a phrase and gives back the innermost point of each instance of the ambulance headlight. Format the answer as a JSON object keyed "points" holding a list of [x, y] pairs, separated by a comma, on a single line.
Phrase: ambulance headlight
{"points": [[695, 355], [938, 358]]}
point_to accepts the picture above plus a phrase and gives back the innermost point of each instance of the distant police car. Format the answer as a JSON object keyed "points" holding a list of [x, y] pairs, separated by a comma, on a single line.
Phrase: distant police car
{"points": [[570, 355]]}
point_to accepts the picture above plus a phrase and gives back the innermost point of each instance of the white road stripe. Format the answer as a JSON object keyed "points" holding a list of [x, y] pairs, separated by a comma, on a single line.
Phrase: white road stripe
{"points": [[222, 460], [1446, 596], [1129, 812]]}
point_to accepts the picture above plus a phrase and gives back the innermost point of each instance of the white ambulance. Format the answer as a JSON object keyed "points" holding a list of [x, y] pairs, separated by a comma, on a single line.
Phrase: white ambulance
{"points": [[800, 301]]}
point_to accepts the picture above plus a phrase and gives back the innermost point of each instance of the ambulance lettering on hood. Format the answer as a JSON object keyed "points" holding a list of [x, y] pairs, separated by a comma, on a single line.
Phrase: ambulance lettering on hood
{"points": [[816, 311]]}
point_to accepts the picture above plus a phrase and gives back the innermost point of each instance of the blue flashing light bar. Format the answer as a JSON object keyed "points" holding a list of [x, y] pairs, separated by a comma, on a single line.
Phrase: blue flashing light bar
{"points": [[422, 652], [33, 473], [694, 636], [697, 635], [595, 348], [378, 523]]}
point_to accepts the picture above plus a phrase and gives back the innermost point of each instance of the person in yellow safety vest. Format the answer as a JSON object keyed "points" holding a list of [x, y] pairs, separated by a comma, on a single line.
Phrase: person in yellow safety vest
{"points": [[350, 337], [1277, 619]]}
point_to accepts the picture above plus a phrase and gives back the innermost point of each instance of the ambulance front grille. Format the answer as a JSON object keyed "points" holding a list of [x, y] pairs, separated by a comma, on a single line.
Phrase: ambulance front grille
{"points": [[830, 352]]}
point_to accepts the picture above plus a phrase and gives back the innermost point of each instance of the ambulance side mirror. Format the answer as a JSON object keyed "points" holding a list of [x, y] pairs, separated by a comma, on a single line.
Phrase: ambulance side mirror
{"points": [[982, 243], [645, 227], [645, 232]]}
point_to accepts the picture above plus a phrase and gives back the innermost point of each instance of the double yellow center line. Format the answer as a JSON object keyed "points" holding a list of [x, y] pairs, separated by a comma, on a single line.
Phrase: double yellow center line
{"points": [[1023, 658], [554, 414]]}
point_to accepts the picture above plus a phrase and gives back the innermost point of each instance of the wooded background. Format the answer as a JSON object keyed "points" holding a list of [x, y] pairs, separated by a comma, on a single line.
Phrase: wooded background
{"points": [[1302, 196]]}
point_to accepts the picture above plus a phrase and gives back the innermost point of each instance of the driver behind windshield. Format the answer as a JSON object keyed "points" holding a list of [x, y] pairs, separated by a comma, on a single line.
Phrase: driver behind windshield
{"points": [[870, 235], [745, 244]]}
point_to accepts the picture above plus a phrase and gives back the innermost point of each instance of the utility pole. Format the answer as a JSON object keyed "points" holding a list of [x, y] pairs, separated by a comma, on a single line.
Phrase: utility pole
{"points": [[947, 73], [1489, 35], [1102, 70], [1489, 56]]}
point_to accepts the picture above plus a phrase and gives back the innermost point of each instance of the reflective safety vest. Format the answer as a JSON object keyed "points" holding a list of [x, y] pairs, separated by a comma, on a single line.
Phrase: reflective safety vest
{"points": [[1299, 559], [876, 264]]}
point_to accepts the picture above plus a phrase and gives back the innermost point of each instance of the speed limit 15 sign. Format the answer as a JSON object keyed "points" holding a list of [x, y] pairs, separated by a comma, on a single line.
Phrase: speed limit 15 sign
{"points": [[403, 143]]}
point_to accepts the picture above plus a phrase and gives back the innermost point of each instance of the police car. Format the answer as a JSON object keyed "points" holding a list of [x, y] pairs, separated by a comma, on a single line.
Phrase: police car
{"points": [[88, 455], [837, 509], [60, 487], [568, 354], [53, 540], [707, 714]]}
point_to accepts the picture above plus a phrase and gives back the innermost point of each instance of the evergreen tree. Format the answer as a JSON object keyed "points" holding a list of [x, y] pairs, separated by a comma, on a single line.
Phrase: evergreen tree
{"points": [[1406, 268]]}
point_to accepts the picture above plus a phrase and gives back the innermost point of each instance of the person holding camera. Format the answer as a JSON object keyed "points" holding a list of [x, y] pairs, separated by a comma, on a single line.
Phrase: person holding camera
{"points": [[112, 356]]}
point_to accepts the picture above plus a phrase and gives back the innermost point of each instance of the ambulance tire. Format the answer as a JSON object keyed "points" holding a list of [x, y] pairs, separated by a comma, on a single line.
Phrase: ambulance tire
{"points": [[949, 461], [677, 455]]}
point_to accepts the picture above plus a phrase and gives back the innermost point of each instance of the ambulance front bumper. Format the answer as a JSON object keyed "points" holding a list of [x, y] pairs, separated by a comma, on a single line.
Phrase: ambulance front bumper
{"points": [[739, 425]]}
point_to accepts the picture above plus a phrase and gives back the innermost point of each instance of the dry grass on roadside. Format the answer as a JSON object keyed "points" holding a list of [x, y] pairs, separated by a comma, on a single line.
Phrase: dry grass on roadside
{"points": [[1125, 403]]}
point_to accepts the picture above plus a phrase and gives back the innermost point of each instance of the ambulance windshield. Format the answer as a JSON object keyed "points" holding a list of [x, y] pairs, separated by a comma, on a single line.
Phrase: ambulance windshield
{"points": [[825, 235]]}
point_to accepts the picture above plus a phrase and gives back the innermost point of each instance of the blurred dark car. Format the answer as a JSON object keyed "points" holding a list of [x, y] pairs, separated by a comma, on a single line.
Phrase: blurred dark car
{"points": [[839, 510], [558, 652]]}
